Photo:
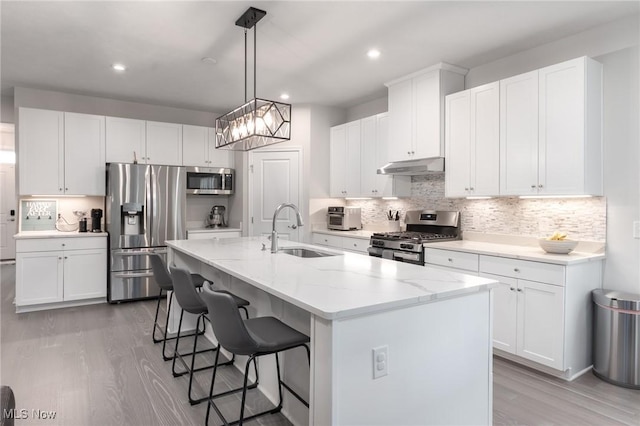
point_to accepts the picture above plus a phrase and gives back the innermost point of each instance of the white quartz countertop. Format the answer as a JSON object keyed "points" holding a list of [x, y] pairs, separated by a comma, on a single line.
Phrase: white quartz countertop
{"points": [[57, 234], [523, 252], [331, 287], [209, 230], [362, 234]]}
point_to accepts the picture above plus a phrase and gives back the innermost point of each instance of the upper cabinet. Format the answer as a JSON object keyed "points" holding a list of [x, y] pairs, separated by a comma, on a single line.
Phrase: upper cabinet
{"points": [[551, 130], [416, 111], [199, 148], [60, 153], [164, 143], [373, 155], [473, 142], [147, 142], [126, 140], [344, 162]]}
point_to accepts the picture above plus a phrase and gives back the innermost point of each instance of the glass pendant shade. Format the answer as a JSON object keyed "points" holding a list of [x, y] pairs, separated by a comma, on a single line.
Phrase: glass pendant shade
{"points": [[257, 123]]}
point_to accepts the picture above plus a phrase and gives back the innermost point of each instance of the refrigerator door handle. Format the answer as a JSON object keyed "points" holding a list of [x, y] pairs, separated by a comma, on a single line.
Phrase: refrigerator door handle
{"points": [[126, 275]]}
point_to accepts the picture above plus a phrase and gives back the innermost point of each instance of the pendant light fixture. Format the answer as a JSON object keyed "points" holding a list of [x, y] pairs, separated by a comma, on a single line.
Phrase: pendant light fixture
{"points": [[258, 122]]}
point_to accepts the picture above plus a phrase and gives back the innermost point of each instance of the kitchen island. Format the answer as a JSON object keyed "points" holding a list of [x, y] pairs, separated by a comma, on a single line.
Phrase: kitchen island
{"points": [[432, 326]]}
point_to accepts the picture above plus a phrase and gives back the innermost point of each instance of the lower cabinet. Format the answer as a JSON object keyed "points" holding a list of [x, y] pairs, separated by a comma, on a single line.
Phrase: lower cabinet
{"points": [[58, 270], [359, 245], [542, 311]]}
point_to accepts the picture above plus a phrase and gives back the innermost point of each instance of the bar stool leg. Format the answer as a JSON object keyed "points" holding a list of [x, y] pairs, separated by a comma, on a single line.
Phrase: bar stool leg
{"points": [[155, 321]]}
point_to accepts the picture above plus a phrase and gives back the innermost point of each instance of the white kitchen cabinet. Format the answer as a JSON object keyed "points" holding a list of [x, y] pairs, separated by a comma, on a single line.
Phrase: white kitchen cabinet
{"points": [[147, 142], [358, 245], [60, 272], [542, 311], [84, 154], [551, 130], [126, 140], [40, 152], [164, 143], [344, 162], [416, 111], [199, 148], [39, 277], [374, 154], [529, 320], [472, 142], [60, 153]]}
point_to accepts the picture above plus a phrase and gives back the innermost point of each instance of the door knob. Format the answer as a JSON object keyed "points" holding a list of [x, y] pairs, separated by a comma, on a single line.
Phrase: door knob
{"points": [[294, 226]]}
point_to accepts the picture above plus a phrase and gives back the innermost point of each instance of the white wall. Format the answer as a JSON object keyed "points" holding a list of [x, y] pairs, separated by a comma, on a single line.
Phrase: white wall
{"points": [[367, 109], [34, 98], [6, 110]]}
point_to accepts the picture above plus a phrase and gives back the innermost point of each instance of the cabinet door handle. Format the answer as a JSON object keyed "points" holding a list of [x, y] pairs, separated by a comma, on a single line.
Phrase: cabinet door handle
{"points": [[63, 244], [355, 245], [520, 290], [516, 270], [408, 152], [466, 189], [59, 189], [66, 189], [450, 259], [471, 189], [540, 186], [66, 257], [533, 186], [512, 288], [59, 258]]}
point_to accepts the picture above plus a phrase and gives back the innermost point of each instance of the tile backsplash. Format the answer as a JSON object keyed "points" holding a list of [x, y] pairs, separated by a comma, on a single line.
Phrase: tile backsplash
{"points": [[580, 218]]}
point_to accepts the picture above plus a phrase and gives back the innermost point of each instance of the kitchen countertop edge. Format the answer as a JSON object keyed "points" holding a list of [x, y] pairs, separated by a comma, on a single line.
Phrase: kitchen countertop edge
{"points": [[23, 235], [535, 254]]}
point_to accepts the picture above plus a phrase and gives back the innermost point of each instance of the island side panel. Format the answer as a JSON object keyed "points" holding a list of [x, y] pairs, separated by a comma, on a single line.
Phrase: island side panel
{"points": [[439, 365]]}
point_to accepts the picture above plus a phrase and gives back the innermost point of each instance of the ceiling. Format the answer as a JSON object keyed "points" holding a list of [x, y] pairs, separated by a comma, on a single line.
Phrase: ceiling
{"points": [[315, 51]]}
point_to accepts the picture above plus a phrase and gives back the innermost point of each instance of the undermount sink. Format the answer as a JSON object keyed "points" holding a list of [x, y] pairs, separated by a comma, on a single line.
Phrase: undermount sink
{"points": [[304, 252]]}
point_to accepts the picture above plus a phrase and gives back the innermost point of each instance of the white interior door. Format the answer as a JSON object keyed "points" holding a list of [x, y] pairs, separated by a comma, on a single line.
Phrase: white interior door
{"points": [[8, 201], [274, 179]]}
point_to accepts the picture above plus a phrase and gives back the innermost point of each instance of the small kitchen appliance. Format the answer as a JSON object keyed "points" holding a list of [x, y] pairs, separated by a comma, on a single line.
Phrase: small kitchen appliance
{"points": [[82, 225], [215, 219], [96, 219], [209, 181], [344, 218], [423, 226]]}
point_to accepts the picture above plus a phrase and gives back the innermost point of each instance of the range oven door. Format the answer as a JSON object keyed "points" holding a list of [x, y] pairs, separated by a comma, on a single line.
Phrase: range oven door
{"points": [[398, 255]]}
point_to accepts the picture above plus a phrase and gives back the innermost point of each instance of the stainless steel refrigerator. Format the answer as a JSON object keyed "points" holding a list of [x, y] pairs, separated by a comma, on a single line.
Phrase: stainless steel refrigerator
{"points": [[145, 206]]}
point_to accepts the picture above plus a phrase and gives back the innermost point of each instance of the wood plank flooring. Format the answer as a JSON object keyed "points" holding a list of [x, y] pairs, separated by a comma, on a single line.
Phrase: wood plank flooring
{"points": [[97, 365]]}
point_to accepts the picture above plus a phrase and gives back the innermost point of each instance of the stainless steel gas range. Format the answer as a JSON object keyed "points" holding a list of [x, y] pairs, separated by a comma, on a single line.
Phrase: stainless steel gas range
{"points": [[423, 226]]}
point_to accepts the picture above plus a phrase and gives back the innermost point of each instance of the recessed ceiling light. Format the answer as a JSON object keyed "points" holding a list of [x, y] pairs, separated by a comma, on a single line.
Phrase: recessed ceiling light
{"points": [[118, 67], [209, 60], [284, 96], [373, 53]]}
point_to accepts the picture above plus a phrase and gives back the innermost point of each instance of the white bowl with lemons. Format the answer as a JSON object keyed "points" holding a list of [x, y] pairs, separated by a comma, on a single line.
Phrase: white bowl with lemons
{"points": [[557, 243]]}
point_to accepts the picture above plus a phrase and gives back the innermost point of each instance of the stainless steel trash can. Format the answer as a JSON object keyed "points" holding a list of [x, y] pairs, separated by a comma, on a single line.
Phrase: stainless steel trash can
{"points": [[616, 337]]}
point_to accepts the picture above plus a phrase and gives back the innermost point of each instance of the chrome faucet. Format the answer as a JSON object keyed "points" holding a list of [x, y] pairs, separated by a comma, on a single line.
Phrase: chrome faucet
{"points": [[274, 233]]}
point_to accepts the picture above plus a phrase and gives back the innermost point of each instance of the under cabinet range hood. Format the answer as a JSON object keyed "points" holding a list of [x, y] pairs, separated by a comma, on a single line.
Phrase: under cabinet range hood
{"points": [[421, 166]]}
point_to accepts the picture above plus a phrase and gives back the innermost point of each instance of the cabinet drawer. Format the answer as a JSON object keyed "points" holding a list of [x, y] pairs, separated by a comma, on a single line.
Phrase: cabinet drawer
{"points": [[451, 259], [327, 240], [54, 244], [523, 269], [355, 244]]}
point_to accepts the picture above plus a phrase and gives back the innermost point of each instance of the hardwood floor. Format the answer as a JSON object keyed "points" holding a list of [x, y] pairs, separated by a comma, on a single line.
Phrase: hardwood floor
{"points": [[97, 365]]}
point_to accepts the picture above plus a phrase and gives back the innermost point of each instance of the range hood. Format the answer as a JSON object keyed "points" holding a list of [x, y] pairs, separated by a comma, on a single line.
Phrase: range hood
{"points": [[422, 166]]}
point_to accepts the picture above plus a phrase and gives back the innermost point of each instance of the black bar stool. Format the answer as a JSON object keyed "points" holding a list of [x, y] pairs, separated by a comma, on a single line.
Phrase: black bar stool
{"points": [[162, 277], [253, 337], [190, 301]]}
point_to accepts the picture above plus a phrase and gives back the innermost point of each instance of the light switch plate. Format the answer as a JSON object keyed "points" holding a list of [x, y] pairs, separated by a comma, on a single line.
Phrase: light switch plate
{"points": [[636, 229]]}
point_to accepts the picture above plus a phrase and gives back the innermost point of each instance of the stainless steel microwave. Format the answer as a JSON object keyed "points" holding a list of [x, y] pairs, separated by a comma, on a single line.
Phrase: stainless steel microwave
{"points": [[210, 181]]}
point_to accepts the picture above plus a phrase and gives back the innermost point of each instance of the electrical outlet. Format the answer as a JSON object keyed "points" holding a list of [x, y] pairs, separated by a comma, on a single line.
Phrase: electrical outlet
{"points": [[380, 357], [636, 229]]}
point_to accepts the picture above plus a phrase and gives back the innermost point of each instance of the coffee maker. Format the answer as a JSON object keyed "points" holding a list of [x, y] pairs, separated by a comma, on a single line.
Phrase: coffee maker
{"points": [[96, 219], [215, 219]]}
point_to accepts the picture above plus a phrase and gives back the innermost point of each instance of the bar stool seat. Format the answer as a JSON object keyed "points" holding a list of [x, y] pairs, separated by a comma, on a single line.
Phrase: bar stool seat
{"points": [[253, 337], [163, 279], [190, 301]]}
